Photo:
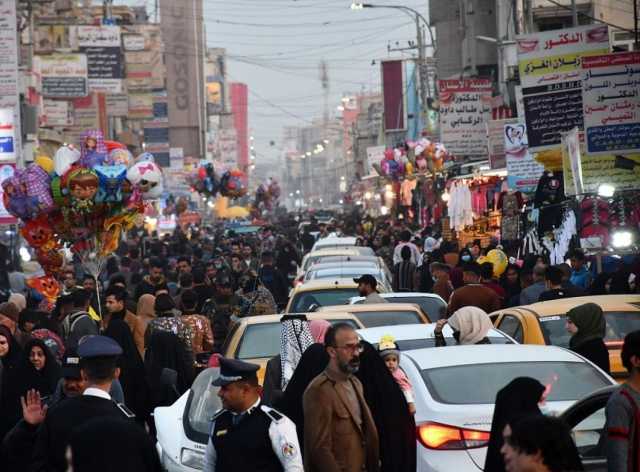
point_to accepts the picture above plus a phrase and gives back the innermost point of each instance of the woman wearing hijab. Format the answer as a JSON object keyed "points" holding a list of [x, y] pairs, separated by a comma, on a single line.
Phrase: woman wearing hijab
{"points": [[18, 300], [132, 372], [519, 398], [312, 363], [319, 329], [10, 357], [166, 351], [37, 369], [470, 325], [135, 449], [146, 313], [396, 426], [295, 338], [587, 325]]}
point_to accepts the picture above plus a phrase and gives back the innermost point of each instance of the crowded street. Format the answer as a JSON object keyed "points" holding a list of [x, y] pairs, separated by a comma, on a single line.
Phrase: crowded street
{"points": [[294, 235]]}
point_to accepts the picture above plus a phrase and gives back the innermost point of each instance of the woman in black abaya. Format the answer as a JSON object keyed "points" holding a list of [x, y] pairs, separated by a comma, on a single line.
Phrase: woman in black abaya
{"points": [[396, 426], [519, 398]]}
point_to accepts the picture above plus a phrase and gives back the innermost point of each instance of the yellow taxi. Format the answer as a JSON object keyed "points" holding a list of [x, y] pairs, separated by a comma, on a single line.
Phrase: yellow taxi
{"points": [[382, 314], [322, 292], [256, 339], [544, 323]]}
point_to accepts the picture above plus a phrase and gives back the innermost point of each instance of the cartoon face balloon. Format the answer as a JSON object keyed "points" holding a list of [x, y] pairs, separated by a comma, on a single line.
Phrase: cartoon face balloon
{"points": [[120, 157], [46, 285], [147, 177], [111, 179], [38, 233]]}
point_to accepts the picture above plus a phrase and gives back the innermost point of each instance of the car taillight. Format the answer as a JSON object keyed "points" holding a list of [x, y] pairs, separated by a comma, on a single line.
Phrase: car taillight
{"points": [[445, 437]]}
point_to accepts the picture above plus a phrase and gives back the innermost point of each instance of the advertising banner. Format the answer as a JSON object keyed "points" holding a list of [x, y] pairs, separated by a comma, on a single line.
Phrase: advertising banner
{"points": [[550, 73], [393, 96], [101, 44], [599, 169], [140, 105], [571, 147], [611, 101], [133, 42], [117, 104], [63, 75], [6, 172], [465, 108], [522, 169], [7, 135], [9, 92], [495, 142]]}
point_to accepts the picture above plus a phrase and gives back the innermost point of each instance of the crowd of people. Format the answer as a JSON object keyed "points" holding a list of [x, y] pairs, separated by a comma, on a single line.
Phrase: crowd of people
{"points": [[330, 402]]}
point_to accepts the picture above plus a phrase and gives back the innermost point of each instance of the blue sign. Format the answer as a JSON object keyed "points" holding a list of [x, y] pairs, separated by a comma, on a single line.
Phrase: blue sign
{"points": [[6, 144]]}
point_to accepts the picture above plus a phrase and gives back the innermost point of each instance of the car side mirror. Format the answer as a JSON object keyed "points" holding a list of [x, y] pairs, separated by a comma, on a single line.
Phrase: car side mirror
{"points": [[313, 307]]}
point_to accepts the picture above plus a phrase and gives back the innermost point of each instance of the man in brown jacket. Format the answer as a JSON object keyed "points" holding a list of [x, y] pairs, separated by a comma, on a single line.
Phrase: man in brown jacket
{"points": [[339, 432], [473, 293], [115, 301]]}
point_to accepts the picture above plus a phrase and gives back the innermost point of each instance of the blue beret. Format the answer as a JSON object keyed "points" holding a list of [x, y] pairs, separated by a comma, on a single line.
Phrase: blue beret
{"points": [[98, 346], [232, 370]]}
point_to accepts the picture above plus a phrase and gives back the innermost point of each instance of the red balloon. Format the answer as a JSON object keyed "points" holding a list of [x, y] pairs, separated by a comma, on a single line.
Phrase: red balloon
{"points": [[111, 145]]}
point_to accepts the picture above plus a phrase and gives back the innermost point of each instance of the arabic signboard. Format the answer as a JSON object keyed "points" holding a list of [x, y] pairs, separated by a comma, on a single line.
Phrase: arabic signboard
{"points": [[117, 105], [465, 107], [6, 172], [101, 44], [133, 42], [550, 74], [63, 75], [96, 36], [495, 142], [9, 93], [523, 171], [611, 101], [599, 169], [140, 105], [56, 113]]}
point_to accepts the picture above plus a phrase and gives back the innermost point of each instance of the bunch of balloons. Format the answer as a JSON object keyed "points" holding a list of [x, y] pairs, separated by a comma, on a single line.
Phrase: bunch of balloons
{"points": [[82, 200], [266, 194], [206, 181], [429, 155]]}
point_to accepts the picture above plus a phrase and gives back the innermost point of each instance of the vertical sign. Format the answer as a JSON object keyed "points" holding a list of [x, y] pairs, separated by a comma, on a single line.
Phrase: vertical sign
{"points": [[465, 107], [571, 146], [522, 170], [6, 172], [611, 101], [393, 96], [9, 93]]}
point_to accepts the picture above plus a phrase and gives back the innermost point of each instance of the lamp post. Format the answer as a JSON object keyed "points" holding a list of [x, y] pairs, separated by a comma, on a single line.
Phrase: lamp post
{"points": [[422, 61]]}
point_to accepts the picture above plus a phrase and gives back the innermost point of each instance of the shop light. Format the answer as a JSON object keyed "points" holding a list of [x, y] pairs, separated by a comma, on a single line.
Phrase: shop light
{"points": [[606, 190], [24, 254], [358, 203], [341, 202], [388, 188], [367, 196], [384, 210], [621, 239]]}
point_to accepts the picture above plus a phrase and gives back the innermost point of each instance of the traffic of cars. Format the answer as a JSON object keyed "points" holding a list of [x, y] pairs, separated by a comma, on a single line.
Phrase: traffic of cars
{"points": [[454, 386]]}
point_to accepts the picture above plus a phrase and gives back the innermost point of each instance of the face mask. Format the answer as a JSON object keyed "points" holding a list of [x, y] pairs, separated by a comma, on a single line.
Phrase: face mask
{"points": [[218, 265], [435, 279], [466, 258]]}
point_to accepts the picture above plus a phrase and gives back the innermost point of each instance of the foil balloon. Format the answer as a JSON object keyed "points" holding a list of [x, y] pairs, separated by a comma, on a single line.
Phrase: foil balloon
{"points": [[47, 286], [46, 163], [499, 260], [39, 234], [64, 158], [110, 179], [147, 177], [120, 157]]}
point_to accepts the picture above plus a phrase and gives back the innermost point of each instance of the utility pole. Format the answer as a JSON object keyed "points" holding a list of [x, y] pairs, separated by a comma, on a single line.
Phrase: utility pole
{"points": [[574, 12]]}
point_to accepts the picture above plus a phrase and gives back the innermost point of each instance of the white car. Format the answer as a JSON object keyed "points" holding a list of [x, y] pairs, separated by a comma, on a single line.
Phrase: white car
{"points": [[334, 243], [433, 305], [455, 392], [183, 428], [348, 271], [409, 337]]}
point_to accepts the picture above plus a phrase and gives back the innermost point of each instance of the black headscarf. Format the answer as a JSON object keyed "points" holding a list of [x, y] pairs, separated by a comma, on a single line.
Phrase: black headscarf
{"points": [[396, 426], [132, 373], [312, 363], [165, 350], [519, 398], [135, 449], [12, 358], [11, 363]]}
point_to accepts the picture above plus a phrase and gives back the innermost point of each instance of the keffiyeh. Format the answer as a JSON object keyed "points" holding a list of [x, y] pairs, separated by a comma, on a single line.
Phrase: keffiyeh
{"points": [[295, 338]]}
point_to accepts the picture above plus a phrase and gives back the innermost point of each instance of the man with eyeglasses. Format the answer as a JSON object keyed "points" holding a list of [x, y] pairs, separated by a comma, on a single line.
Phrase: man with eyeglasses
{"points": [[339, 432]]}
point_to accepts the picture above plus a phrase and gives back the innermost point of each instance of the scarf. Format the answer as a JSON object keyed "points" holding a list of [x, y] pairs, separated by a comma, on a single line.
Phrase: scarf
{"points": [[590, 322], [295, 338], [472, 323]]}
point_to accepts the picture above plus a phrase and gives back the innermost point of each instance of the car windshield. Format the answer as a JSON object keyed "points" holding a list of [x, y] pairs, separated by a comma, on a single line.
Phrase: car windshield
{"points": [[339, 296], [411, 344], [263, 339], [567, 381], [204, 401], [619, 324], [344, 273], [373, 319], [432, 306]]}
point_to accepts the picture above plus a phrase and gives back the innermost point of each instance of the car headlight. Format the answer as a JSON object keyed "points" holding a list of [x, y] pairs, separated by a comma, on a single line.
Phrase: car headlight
{"points": [[191, 458]]}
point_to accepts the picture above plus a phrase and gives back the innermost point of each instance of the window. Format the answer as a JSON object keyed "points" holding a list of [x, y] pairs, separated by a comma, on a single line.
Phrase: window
{"points": [[568, 381], [202, 403], [411, 344], [372, 319], [588, 435], [511, 326], [619, 324], [303, 301]]}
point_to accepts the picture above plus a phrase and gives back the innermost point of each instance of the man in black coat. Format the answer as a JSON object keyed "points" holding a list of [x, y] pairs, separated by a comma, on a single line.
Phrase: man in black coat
{"points": [[274, 280], [98, 356]]}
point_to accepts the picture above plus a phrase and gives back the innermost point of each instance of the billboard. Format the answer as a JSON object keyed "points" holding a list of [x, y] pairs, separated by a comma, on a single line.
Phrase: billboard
{"points": [[522, 169], [63, 75], [465, 108], [550, 73], [9, 91], [102, 46], [611, 103]]}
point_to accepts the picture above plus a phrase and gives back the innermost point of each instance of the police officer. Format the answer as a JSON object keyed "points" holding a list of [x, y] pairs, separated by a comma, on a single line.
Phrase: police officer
{"points": [[98, 356], [246, 435]]}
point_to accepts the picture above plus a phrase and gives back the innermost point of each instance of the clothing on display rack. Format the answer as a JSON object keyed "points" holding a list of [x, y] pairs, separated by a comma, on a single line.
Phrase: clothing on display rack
{"points": [[549, 193], [406, 191], [510, 204], [558, 247], [594, 213], [460, 207]]}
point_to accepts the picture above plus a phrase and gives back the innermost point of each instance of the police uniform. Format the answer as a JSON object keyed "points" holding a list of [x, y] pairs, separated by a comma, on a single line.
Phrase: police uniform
{"points": [[260, 439], [54, 433]]}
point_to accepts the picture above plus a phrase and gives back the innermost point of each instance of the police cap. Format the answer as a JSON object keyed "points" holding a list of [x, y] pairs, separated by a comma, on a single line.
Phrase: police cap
{"points": [[98, 346], [233, 370]]}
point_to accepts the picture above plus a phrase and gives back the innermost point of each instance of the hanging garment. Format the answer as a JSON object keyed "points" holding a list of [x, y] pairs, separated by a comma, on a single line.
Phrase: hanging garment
{"points": [[549, 194], [558, 247], [406, 191], [510, 204]]}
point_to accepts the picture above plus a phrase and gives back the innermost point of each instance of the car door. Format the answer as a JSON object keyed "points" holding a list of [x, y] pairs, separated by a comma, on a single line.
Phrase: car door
{"points": [[587, 422], [511, 325]]}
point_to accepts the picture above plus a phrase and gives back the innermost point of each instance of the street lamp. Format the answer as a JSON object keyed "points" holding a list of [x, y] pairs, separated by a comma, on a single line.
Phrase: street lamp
{"points": [[422, 61]]}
